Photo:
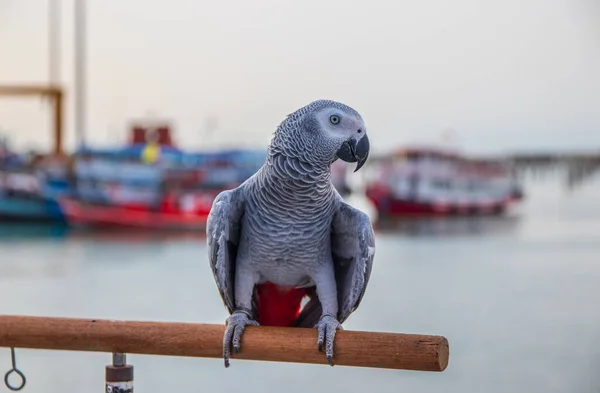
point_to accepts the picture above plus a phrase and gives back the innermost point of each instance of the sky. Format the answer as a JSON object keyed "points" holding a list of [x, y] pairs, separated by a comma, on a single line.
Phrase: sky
{"points": [[497, 76]]}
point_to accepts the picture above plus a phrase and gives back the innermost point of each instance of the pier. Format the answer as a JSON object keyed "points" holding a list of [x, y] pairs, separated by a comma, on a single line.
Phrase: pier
{"points": [[575, 167]]}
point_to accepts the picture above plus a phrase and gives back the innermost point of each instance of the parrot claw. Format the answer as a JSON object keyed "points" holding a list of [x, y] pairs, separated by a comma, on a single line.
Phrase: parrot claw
{"points": [[236, 323], [327, 327]]}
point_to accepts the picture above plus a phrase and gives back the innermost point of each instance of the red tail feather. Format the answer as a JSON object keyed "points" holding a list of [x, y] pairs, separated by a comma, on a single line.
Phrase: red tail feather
{"points": [[278, 306]]}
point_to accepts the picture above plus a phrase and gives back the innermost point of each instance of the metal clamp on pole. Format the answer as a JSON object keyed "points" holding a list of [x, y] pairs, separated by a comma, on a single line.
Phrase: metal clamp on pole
{"points": [[119, 375]]}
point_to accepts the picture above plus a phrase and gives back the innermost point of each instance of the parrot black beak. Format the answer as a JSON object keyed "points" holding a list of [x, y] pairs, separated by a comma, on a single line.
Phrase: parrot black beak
{"points": [[355, 150]]}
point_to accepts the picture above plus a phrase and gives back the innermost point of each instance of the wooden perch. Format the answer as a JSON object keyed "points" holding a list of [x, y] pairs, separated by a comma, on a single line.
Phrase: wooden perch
{"points": [[352, 348]]}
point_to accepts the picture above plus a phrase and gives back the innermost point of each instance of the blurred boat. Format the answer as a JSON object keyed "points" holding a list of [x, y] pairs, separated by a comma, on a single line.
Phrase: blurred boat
{"points": [[151, 184], [28, 207], [184, 217], [29, 185], [427, 181], [137, 195], [29, 194]]}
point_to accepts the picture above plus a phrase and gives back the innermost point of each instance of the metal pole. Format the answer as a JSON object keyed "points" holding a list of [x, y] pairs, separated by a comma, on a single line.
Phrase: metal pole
{"points": [[54, 49], [80, 68], [119, 375]]}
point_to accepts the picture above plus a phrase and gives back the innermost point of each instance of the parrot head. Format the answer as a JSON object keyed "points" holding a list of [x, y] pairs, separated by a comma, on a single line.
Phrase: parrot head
{"points": [[327, 130]]}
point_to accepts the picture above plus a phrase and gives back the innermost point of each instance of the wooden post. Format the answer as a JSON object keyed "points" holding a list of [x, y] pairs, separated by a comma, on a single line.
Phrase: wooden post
{"points": [[58, 123], [298, 345]]}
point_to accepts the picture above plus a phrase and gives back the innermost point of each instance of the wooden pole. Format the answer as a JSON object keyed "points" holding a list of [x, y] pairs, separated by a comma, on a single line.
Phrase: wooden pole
{"points": [[56, 95], [58, 123], [298, 345], [30, 90]]}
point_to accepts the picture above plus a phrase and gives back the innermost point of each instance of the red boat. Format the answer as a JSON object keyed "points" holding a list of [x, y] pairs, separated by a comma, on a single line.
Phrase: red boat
{"points": [[189, 212], [421, 181], [161, 199], [144, 192]]}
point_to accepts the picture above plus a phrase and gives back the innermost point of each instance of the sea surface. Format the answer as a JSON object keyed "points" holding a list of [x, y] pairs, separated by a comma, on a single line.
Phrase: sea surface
{"points": [[517, 297]]}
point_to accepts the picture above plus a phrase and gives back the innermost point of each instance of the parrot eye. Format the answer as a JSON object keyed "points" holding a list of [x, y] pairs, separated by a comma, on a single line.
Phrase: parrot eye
{"points": [[334, 119]]}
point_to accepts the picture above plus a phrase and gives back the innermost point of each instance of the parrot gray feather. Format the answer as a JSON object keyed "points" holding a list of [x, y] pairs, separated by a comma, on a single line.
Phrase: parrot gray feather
{"points": [[222, 234], [353, 251]]}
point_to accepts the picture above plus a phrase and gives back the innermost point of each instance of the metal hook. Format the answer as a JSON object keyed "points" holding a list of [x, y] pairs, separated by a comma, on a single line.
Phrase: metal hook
{"points": [[14, 370]]}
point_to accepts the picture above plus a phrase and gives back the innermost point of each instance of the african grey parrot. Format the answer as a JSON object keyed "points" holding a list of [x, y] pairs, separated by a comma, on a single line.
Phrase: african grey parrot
{"points": [[286, 234]]}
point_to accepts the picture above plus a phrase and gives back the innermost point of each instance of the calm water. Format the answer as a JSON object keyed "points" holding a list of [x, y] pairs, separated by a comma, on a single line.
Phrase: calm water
{"points": [[517, 299]]}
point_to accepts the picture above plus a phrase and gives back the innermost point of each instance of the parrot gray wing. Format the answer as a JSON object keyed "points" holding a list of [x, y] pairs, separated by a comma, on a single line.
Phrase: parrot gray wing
{"points": [[353, 251], [222, 234]]}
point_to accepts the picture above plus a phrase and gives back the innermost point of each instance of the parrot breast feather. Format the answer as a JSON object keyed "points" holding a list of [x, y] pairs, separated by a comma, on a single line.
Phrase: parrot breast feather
{"points": [[353, 251], [223, 232]]}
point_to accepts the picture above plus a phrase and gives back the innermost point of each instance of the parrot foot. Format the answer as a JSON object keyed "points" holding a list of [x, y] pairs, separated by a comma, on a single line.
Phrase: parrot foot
{"points": [[327, 327], [236, 323]]}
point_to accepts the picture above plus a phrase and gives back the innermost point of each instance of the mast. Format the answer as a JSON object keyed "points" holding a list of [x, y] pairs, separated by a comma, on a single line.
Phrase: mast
{"points": [[54, 49], [80, 71]]}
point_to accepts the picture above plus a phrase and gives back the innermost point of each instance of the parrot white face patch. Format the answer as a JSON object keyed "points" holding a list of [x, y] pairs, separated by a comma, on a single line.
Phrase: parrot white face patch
{"points": [[339, 124]]}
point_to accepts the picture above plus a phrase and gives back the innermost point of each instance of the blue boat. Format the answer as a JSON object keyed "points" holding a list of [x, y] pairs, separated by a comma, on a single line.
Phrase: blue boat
{"points": [[30, 197], [19, 207]]}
